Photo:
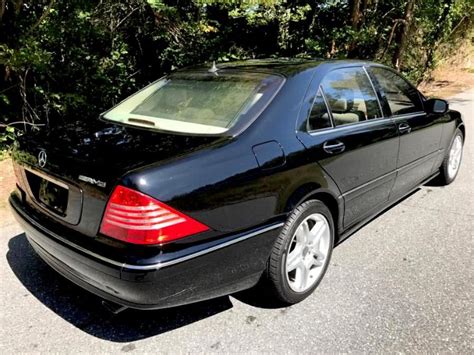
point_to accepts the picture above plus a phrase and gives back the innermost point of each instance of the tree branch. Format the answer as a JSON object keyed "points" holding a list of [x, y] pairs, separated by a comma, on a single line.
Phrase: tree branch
{"points": [[43, 16], [23, 123], [390, 38], [126, 17], [457, 26]]}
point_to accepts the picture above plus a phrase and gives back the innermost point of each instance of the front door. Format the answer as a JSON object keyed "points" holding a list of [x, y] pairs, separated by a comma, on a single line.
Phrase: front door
{"points": [[352, 141], [419, 136]]}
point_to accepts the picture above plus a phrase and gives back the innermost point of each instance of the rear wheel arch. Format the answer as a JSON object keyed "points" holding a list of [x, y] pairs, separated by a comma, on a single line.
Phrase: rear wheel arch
{"points": [[314, 192]]}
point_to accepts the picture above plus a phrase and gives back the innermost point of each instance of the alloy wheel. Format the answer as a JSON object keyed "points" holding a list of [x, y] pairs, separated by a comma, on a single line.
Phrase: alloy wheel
{"points": [[455, 155], [308, 252]]}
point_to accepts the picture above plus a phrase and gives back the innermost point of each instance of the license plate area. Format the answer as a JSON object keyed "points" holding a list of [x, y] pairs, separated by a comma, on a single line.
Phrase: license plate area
{"points": [[57, 198], [51, 195]]}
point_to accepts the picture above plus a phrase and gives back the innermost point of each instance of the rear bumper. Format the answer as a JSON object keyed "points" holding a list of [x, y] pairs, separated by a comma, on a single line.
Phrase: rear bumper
{"points": [[223, 268]]}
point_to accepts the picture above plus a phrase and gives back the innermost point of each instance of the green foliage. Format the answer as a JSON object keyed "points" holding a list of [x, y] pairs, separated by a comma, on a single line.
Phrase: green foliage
{"points": [[68, 59], [6, 140]]}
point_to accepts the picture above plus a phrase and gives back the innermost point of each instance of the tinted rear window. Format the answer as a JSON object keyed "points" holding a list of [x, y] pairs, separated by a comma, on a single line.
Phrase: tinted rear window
{"points": [[201, 103]]}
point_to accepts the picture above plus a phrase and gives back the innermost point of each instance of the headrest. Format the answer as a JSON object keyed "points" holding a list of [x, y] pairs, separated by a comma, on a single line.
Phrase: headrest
{"points": [[339, 106]]}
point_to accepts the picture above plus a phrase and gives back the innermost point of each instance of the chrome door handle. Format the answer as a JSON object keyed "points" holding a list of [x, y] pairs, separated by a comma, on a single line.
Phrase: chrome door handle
{"points": [[334, 147], [404, 128]]}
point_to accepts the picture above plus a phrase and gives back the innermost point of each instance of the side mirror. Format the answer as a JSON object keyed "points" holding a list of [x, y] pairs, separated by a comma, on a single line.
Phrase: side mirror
{"points": [[437, 106]]}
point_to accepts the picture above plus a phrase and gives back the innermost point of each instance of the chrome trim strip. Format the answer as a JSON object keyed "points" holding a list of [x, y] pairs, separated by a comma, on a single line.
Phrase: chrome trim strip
{"points": [[327, 108], [373, 181], [417, 162], [396, 171], [349, 126], [375, 91], [406, 116], [46, 177], [326, 105], [17, 210], [370, 122], [202, 252]]}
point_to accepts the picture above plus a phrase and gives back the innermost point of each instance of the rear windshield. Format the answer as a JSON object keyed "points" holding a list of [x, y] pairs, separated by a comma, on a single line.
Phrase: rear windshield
{"points": [[197, 103]]}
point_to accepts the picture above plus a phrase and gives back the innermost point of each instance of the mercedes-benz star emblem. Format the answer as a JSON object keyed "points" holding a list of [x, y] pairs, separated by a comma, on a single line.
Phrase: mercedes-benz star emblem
{"points": [[42, 158]]}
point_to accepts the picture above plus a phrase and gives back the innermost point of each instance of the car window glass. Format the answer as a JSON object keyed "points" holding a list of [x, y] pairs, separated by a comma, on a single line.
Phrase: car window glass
{"points": [[198, 102], [350, 96], [319, 116], [401, 96]]}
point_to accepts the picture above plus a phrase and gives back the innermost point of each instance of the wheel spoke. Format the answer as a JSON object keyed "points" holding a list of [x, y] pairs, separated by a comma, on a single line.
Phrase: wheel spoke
{"points": [[293, 259], [318, 254], [302, 233], [316, 232], [317, 260], [301, 277]]}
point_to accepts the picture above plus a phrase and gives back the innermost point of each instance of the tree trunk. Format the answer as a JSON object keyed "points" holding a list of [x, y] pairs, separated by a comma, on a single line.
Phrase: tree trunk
{"points": [[403, 33], [438, 34], [3, 3], [355, 19], [355, 13]]}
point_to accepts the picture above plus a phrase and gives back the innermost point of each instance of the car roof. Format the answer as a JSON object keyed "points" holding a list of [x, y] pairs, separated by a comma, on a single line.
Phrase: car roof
{"points": [[282, 66]]}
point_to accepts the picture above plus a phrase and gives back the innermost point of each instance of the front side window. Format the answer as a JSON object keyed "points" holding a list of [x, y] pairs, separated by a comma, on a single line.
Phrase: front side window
{"points": [[319, 117], [350, 96], [401, 96], [197, 102]]}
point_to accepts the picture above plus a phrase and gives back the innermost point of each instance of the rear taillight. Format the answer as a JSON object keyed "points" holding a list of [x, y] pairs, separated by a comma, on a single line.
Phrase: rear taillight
{"points": [[140, 219]]}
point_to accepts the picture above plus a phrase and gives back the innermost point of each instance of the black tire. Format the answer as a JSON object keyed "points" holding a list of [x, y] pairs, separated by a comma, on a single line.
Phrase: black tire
{"points": [[444, 176], [275, 275]]}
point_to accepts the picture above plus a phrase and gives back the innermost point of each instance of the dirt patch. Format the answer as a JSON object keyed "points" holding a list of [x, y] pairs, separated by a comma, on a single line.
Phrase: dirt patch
{"points": [[452, 76], [7, 181], [7, 184]]}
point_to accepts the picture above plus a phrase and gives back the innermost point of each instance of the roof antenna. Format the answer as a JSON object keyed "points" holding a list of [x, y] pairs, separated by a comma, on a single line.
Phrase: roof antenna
{"points": [[214, 68]]}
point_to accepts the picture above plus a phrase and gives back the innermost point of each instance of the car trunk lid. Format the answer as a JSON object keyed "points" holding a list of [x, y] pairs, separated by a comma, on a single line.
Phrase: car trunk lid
{"points": [[68, 172]]}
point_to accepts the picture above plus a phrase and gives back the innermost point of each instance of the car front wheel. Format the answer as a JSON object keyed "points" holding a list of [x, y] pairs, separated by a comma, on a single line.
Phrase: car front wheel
{"points": [[301, 253], [452, 160]]}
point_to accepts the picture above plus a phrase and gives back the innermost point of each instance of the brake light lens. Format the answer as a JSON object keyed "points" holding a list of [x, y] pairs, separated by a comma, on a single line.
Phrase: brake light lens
{"points": [[137, 218]]}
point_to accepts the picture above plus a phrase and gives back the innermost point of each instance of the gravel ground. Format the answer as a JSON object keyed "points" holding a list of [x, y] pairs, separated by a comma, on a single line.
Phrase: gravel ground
{"points": [[404, 283]]}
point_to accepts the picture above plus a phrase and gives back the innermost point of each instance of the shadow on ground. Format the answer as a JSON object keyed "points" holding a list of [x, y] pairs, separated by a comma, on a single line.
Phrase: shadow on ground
{"points": [[84, 310]]}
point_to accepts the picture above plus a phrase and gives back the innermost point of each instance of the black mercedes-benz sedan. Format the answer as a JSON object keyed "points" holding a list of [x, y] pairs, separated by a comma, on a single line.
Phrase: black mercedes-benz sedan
{"points": [[215, 178]]}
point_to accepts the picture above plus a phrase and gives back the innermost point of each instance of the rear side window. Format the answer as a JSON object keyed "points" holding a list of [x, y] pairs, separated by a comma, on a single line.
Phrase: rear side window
{"points": [[350, 96], [197, 102], [319, 117], [401, 96]]}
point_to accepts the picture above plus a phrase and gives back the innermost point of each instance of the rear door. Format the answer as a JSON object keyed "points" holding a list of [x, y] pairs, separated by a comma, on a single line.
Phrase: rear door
{"points": [[419, 135], [349, 137]]}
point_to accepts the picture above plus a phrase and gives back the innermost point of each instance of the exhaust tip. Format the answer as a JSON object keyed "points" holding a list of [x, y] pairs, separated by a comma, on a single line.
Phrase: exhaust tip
{"points": [[112, 307]]}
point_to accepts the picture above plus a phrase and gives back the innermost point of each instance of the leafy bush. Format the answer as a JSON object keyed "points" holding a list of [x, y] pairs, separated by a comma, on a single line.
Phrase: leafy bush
{"points": [[6, 139]]}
